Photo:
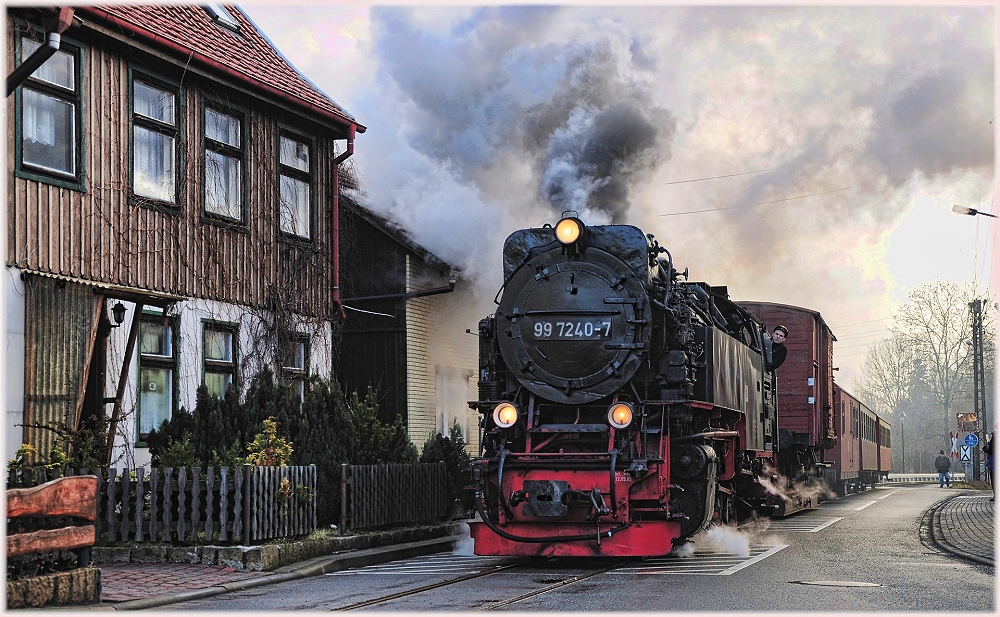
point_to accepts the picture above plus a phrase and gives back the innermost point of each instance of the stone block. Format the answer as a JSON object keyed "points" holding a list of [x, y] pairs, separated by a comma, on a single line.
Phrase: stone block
{"points": [[270, 557], [149, 554], [232, 557], [111, 554], [209, 555], [77, 586], [253, 558], [184, 554]]}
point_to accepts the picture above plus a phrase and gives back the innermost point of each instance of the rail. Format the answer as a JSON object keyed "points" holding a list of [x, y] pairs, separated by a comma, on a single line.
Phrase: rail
{"points": [[921, 477]]}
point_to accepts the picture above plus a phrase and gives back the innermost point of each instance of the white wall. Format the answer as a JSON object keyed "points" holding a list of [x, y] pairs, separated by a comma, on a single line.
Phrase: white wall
{"points": [[12, 388], [190, 315]]}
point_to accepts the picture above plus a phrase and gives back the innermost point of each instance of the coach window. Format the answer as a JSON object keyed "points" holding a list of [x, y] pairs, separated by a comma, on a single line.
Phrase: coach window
{"points": [[155, 137], [295, 187], [49, 117], [295, 364], [225, 157], [157, 370], [220, 358]]}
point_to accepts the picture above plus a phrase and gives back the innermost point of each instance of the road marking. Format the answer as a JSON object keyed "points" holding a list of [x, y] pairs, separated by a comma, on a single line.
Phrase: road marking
{"points": [[807, 524], [870, 503], [753, 560], [707, 564], [887, 494]]}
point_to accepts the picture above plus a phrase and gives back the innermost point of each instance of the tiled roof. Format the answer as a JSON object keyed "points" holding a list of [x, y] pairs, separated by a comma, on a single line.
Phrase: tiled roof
{"points": [[247, 54]]}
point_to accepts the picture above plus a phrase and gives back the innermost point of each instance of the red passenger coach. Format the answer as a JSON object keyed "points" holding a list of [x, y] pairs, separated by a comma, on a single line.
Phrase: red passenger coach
{"points": [[845, 457], [884, 441]]}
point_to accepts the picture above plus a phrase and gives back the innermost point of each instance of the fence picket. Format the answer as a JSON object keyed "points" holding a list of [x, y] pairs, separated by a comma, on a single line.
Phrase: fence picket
{"points": [[140, 499], [238, 489], [168, 504], [195, 503], [154, 511], [210, 497], [112, 481], [223, 504], [126, 506], [181, 502]]}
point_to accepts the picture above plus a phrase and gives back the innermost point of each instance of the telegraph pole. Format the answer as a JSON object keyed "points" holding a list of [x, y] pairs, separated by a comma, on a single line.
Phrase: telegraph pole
{"points": [[979, 383]]}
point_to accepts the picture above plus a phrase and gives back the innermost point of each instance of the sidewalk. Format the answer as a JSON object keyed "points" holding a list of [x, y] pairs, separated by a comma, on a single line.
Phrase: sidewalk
{"points": [[962, 525]]}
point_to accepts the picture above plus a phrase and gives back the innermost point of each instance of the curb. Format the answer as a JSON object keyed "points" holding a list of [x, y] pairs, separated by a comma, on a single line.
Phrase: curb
{"points": [[937, 535], [311, 567]]}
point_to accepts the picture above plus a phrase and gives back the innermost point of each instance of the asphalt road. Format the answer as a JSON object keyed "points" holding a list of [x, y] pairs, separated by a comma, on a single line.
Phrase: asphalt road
{"points": [[859, 553]]}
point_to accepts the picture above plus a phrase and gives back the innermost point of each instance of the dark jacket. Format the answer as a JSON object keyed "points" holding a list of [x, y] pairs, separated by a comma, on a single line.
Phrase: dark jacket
{"points": [[778, 353], [942, 463]]}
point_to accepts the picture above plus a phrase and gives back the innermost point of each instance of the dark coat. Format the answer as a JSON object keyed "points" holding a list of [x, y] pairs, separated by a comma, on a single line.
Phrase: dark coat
{"points": [[942, 463], [778, 353]]}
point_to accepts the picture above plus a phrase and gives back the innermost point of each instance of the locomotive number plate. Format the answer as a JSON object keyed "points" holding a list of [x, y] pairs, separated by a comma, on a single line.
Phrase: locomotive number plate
{"points": [[572, 329]]}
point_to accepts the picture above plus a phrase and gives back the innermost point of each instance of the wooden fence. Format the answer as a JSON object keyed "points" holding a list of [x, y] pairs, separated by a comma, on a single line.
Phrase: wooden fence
{"points": [[189, 506], [392, 494]]}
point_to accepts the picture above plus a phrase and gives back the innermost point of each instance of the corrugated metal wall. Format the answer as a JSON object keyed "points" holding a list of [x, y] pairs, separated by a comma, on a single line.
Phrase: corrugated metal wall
{"points": [[98, 235], [60, 327]]}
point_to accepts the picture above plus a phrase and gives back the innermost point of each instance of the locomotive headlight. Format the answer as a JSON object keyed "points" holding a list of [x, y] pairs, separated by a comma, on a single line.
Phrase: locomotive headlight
{"points": [[620, 415], [505, 415], [569, 230]]}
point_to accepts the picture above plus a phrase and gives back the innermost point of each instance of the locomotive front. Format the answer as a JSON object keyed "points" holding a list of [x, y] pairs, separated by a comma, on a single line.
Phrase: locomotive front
{"points": [[589, 364]]}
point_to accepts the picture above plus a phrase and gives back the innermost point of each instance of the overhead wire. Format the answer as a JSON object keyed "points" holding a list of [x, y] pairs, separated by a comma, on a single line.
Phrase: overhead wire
{"points": [[761, 203], [746, 173]]}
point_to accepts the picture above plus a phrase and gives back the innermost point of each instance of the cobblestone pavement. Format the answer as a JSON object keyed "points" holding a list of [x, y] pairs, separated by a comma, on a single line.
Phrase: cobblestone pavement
{"points": [[965, 525], [132, 581]]}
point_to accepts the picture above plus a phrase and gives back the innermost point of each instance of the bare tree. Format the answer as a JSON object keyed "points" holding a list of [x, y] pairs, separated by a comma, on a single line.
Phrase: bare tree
{"points": [[937, 323], [886, 378]]}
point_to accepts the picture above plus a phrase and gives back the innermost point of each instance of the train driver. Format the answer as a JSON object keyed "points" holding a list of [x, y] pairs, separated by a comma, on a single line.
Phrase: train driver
{"points": [[778, 350]]}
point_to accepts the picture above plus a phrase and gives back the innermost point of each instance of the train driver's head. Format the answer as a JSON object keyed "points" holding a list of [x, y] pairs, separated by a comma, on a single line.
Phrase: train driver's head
{"points": [[780, 332]]}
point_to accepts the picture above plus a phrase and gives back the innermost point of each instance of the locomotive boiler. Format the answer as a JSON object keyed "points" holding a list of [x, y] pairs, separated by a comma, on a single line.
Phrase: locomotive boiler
{"points": [[623, 407]]}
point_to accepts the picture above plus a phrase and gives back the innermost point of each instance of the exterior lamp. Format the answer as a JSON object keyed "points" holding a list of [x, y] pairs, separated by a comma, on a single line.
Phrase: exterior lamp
{"points": [[119, 314], [970, 211]]}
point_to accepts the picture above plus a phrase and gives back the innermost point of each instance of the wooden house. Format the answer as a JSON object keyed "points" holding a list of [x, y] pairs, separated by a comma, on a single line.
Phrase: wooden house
{"points": [[404, 333], [172, 213]]}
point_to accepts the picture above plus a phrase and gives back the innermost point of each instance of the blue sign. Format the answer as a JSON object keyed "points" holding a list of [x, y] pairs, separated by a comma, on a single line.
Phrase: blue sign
{"points": [[971, 440]]}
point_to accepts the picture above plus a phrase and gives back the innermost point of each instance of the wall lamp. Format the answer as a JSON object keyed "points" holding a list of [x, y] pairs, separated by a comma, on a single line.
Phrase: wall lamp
{"points": [[118, 311], [970, 211]]}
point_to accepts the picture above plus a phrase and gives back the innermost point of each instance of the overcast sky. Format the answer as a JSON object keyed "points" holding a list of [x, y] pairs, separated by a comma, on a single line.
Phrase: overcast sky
{"points": [[803, 155]]}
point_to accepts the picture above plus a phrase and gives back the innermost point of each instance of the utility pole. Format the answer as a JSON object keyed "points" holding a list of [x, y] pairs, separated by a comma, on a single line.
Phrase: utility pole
{"points": [[979, 383]]}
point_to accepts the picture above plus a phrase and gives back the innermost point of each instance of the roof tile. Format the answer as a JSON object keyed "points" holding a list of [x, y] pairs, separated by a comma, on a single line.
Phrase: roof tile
{"points": [[248, 52]]}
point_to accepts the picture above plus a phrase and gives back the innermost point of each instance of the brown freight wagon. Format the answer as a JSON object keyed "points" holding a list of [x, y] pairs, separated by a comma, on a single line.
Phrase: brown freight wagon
{"points": [[804, 385]]}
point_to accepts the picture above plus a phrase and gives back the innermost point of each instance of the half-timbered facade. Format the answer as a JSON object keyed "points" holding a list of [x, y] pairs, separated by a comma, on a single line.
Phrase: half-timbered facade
{"points": [[172, 191]]}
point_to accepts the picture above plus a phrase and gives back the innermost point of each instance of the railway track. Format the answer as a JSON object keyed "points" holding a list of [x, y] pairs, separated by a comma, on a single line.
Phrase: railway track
{"points": [[494, 570]]}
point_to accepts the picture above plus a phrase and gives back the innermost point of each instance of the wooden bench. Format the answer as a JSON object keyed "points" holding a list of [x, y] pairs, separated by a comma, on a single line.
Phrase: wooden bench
{"points": [[74, 496]]}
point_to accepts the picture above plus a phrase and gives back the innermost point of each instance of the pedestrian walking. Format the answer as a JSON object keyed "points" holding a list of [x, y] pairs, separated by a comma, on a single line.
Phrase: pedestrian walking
{"points": [[943, 465]]}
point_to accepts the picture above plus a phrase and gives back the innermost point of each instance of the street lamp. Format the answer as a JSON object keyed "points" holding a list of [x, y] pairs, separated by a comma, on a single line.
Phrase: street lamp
{"points": [[970, 211]]}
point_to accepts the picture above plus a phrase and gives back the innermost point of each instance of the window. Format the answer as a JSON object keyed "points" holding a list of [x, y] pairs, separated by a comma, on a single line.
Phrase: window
{"points": [[157, 367], [50, 115], [224, 156], [155, 133], [295, 181], [220, 358], [295, 364], [221, 16]]}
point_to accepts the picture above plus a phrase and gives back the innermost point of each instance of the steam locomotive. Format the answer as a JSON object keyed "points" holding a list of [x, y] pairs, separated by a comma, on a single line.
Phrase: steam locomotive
{"points": [[624, 407]]}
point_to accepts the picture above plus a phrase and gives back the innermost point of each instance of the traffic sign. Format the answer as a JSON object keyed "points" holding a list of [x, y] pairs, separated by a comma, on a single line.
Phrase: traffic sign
{"points": [[971, 440], [966, 453]]}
